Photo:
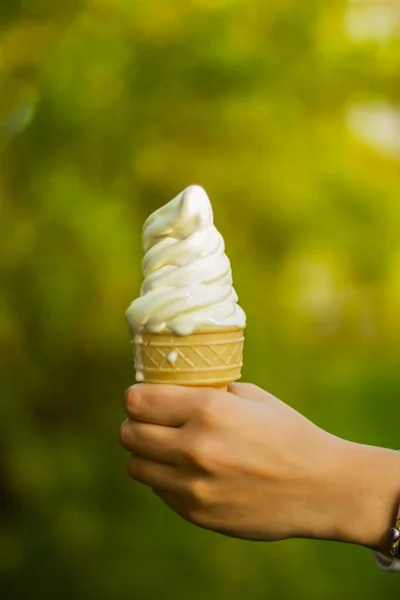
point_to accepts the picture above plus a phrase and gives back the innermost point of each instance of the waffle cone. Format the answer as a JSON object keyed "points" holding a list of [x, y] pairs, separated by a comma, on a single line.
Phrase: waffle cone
{"points": [[210, 357]]}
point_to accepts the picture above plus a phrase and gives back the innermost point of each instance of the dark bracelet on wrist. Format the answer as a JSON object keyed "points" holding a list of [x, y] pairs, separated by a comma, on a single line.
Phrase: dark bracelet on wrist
{"points": [[395, 538]]}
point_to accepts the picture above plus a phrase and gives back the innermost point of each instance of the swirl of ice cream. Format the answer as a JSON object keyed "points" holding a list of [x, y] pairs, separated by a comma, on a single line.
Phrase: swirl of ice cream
{"points": [[187, 275]]}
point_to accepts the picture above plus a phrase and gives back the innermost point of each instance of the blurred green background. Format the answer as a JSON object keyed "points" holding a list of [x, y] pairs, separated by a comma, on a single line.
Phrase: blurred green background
{"points": [[288, 113]]}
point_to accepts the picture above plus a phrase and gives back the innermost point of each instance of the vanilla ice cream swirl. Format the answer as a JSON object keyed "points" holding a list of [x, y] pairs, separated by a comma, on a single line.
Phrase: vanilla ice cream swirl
{"points": [[187, 275]]}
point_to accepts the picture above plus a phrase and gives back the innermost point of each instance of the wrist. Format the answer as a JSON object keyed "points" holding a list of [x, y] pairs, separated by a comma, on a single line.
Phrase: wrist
{"points": [[365, 495]]}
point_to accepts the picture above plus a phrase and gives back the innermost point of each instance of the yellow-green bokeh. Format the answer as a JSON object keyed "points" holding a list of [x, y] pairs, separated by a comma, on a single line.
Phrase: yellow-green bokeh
{"points": [[287, 113]]}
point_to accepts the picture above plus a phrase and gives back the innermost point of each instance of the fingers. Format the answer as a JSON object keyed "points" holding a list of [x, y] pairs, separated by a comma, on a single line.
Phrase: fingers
{"points": [[151, 473], [168, 405], [150, 441]]}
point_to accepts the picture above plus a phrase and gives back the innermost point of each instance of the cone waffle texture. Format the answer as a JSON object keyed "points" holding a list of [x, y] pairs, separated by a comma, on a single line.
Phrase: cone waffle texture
{"points": [[209, 357]]}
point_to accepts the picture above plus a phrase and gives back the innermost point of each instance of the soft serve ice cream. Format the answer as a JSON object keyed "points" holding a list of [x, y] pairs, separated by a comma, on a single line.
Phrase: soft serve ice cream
{"points": [[187, 276]]}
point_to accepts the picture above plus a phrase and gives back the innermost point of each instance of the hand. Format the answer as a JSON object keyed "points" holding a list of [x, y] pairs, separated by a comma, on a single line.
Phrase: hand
{"points": [[241, 463], [247, 465]]}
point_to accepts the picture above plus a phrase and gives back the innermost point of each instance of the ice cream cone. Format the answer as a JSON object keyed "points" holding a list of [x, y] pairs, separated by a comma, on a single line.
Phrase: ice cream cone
{"points": [[210, 357], [187, 285]]}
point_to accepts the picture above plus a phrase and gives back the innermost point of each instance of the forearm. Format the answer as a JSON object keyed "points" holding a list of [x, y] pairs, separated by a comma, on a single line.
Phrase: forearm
{"points": [[366, 493]]}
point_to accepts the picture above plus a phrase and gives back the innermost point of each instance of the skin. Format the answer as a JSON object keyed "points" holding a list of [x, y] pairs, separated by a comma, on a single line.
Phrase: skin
{"points": [[244, 464]]}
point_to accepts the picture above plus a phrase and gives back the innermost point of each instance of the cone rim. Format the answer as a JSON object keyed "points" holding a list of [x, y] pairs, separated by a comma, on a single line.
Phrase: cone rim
{"points": [[199, 331]]}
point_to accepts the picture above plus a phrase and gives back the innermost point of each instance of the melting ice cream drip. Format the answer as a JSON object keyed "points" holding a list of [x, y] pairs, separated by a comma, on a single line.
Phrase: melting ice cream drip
{"points": [[172, 357], [137, 342]]}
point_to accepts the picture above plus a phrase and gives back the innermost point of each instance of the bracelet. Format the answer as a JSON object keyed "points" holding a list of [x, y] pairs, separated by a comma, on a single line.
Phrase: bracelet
{"points": [[395, 538]]}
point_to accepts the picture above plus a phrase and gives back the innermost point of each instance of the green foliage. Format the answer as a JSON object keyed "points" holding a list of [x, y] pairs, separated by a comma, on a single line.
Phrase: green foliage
{"points": [[108, 108]]}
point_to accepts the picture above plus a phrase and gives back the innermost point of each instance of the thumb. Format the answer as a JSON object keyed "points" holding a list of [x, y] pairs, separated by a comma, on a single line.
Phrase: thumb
{"points": [[249, 391]]}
